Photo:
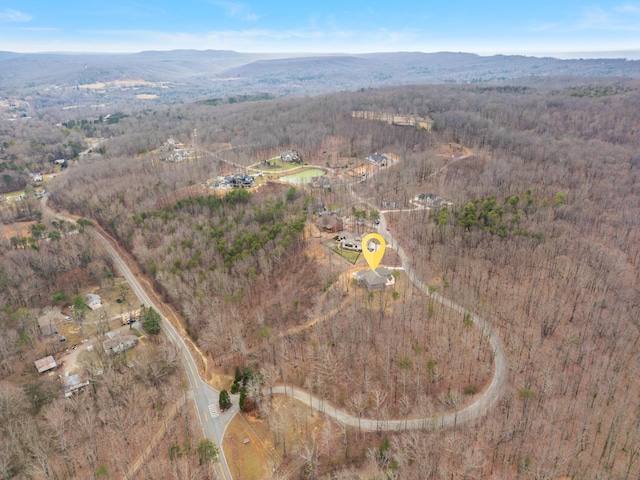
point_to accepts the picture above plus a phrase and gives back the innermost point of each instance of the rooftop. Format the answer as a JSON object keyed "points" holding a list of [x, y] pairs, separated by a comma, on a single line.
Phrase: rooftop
{"points": [[375, 280], [46, 363]]}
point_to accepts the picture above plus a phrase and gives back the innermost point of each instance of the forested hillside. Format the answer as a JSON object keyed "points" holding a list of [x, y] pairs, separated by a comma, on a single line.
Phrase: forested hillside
{"points": [[542, 240], [99, 433], [108, 82]]}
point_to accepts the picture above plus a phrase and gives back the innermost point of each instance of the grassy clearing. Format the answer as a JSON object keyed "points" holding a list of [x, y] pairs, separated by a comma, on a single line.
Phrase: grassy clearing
{"points": [[351, 256], [303, 176], [260, 457], [248, 460]]}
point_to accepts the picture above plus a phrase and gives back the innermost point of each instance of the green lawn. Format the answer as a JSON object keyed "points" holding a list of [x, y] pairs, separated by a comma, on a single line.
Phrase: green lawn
{"points": [[348, 254]]}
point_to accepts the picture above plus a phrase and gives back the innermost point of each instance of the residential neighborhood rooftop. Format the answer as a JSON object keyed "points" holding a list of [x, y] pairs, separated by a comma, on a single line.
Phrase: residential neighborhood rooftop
{"points": [[375, 280], [45, 363], [74, 382]]}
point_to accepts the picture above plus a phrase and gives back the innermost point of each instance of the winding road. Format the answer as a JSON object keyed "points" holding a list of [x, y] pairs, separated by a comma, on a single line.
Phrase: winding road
{"points": [[214, 422], [480, 407]]}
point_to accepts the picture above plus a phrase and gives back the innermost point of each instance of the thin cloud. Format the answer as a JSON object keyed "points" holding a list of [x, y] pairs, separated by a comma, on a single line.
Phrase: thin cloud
{"points": [[596, 17], [614, 19], [41, 29], [9, 15], [621, 18], [542, 27], [237, 10], [629, 8]]}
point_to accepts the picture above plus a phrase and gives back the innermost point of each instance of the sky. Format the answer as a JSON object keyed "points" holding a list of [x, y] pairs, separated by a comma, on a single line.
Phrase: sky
{"points": [[562, 28]]}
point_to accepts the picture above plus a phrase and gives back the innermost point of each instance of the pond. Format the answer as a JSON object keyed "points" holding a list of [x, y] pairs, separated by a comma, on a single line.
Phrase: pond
{"points": [[303, 176]]}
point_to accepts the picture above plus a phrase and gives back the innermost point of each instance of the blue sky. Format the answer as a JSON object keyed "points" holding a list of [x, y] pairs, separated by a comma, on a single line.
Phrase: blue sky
{"points": [[344, 26]]}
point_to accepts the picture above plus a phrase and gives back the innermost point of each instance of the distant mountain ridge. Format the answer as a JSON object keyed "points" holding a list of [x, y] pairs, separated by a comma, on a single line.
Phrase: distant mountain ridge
{"points": [[70, 68], [192, 74], [385, 69]]}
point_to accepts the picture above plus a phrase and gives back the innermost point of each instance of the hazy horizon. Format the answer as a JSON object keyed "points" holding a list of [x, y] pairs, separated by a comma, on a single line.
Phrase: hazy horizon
{"points": [[570, 29], [577, 55]]}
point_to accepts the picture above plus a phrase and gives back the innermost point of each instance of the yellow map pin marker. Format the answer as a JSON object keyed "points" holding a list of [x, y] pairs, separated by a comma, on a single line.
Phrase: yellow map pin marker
{"points": [[373, 258]]}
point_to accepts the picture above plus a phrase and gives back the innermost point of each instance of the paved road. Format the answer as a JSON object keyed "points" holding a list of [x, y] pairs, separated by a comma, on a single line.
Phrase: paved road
{"points": [[206, 398], [254, 168], [92, 147], [485, 401]]}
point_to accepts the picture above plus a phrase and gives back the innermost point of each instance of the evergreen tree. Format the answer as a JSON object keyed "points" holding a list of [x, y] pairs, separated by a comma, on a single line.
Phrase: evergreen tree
{"points": [[152, 321], [243, 398], [224, 400]]}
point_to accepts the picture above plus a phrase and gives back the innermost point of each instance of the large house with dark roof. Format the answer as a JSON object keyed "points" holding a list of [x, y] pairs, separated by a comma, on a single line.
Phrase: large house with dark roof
{"points": [[240, 180], [375, 280], [378, 159], [431, 200], [330, 222]]}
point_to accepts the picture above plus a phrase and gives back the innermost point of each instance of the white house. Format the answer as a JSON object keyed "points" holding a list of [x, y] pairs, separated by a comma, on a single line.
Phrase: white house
{"points": [[350, 241], [93, 301], [290, 156]]}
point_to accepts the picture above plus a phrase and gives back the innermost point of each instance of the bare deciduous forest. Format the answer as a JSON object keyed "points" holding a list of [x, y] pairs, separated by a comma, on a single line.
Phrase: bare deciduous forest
{"points": [[542, 241]]}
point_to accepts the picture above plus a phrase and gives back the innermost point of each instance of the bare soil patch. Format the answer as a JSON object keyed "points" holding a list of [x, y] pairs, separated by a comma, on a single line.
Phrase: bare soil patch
{"points": [[453, 150], [20, 229]]}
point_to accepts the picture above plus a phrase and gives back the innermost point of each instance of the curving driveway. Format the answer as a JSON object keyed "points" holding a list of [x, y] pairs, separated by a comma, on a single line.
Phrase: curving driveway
{"points": [[206, 398], [480, 407]]}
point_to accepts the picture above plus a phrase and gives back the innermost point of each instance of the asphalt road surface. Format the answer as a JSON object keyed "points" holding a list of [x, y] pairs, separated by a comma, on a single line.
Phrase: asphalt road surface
{"points": [[214, 422], [483, 404], [206, 397]]}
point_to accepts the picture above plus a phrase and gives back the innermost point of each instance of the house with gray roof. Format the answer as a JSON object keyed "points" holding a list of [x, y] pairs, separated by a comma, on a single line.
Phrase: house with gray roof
{"points": [[118, 343], [375, 280], [93, 301], [291, 156], [72, 383], [320, 181], [240, 180], [378, 159], [431, 200]]}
